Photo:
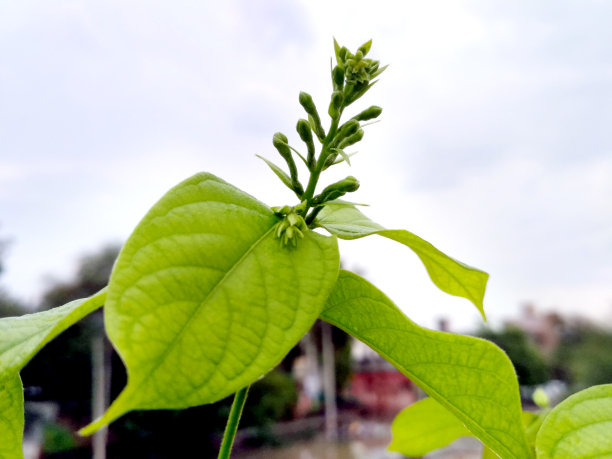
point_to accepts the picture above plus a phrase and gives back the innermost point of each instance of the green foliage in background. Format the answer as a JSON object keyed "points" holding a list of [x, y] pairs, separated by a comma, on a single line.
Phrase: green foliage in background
{"points": [[584, 356], [530, 365], [58, 438], [213, 288]]}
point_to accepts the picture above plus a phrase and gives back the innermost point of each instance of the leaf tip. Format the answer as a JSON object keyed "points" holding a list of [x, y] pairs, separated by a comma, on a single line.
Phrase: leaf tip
{"points": [[92, 427], [114, 412]]}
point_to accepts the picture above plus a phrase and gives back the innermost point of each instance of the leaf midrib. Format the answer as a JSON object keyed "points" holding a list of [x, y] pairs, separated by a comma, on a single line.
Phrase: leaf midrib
{"points": [[198, 309]]}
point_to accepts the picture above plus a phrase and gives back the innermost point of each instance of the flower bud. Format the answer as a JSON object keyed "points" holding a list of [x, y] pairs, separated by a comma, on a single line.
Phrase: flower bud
{"points": [[336, 190], [352, 139], [304, 131], [335, 105], [338, 77], [308, 104], [369, 113], [282, 137], [280, 142], [347, 129]]}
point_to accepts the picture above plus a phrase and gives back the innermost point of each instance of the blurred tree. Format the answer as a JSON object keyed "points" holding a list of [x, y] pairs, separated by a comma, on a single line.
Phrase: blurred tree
{"points": [[92, 275], [531, 367], [584, 357], [8, 306]]}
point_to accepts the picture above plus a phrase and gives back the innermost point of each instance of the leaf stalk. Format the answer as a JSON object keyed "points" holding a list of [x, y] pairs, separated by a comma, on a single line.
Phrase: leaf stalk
{"points": [[232, 423]]}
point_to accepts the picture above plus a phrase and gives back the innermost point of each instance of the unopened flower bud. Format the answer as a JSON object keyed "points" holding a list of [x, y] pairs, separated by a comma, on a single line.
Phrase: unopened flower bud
{"points": [[280, 142], [348, 128], [335, 104], [338, 77], [305, 132], [336, 190], [369, 113], [308, 104], [352, 139]]}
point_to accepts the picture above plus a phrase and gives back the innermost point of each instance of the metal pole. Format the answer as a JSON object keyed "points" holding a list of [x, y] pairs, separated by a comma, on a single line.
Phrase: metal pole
{"points": [[329, 382]]}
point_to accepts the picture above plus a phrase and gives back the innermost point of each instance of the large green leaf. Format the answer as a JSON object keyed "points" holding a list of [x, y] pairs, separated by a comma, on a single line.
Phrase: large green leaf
{"points": [[11, 417], [579, 427], [203, 299], [451, 276], [20, 339], [469, 376], [424, 426]]}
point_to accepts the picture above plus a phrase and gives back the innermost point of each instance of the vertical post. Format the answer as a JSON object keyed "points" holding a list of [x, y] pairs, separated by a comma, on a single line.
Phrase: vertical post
{"points": [[100, 389], [329, 382]]}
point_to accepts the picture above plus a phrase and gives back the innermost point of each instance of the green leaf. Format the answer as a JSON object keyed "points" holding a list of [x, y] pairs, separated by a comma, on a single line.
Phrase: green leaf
{"points": [[22, 337], [424, 426], [342, 203], [281, 174], [488, 454], [346, 222], [469, 376], [580, 426], [337, 50], [344, 156], [203, 300], [450, 275], [11, 417]]}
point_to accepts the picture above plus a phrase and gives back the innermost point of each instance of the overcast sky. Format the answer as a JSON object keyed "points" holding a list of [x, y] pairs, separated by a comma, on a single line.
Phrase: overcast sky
{"points": [[495, 142]]}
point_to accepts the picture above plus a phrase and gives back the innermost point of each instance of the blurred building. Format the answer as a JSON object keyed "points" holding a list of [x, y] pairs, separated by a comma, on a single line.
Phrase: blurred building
{"points": [[544, 329], [379, 388]]}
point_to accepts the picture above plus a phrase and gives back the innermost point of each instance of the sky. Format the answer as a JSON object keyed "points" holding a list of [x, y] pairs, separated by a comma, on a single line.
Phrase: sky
{"points": [[494, 144]]}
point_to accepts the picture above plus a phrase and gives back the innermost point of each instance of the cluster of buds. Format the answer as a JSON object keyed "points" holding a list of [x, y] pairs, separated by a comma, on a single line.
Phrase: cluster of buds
{"points": [[352, 76], [292, 225]]}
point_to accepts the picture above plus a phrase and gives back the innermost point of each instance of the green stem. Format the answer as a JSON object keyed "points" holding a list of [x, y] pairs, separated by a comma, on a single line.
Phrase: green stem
{"points": [[311, 218], [314, 174], [232, 423]]}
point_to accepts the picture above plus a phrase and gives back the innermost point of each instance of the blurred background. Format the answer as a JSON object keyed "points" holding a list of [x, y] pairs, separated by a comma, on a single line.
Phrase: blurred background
{"points": [[494, 145]]}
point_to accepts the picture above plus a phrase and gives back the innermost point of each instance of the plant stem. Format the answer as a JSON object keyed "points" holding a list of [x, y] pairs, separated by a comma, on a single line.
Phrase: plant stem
{"points": [[314, 174], [232, 423]]}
